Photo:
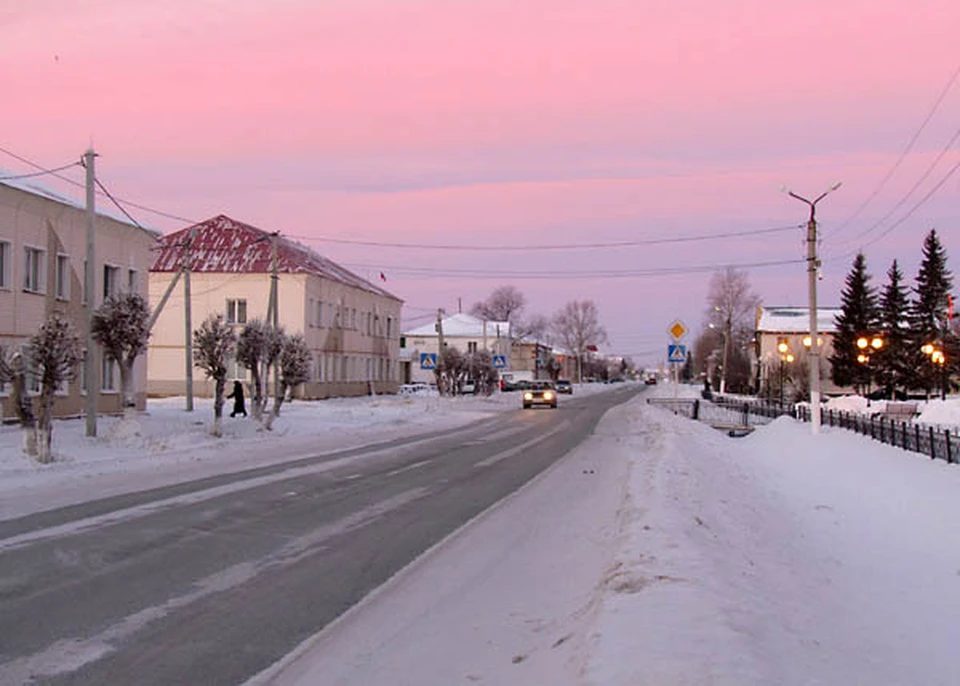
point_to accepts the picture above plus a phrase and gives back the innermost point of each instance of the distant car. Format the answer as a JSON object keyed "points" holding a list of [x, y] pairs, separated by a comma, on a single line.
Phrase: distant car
{"points": [[651, 380], [539, 394], [564, 386]]}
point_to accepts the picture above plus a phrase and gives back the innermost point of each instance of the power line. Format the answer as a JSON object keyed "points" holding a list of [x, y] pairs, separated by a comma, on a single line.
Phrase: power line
{"points": [[906, 151], [43, 172], [121, 207], [528, 275], [569, 246], [67, 179], [904, 218], [913, 189]]}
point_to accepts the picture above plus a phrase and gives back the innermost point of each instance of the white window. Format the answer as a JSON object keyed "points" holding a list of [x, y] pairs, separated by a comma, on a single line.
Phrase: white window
{"points": [[343, 368], [353, 318], [111, 276], [235, 370], [389, 327], [5, 248], [319, 313], [35, 270], [83, 371], [310, 312], [63, 277], [236, 311], [133, 280], [108, 374]]}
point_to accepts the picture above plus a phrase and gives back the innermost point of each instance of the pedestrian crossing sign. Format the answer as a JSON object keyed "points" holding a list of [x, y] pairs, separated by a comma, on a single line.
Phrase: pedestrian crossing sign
{"points": [[428, 360], [676, 353]]}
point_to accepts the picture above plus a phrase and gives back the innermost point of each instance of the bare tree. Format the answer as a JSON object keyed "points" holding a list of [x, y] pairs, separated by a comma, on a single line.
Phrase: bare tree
{"points": [[258, 344], [577, 327], [536, 327], [212, 344], [505, 304], [13, 371], [54, 353], [294, 369], [120, 325], [731, 310]]}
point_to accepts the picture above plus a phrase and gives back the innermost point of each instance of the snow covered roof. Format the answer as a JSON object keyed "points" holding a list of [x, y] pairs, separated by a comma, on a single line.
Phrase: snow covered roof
{"points": [[463, 325], [33, 188], [222, 244], [796, 319]]}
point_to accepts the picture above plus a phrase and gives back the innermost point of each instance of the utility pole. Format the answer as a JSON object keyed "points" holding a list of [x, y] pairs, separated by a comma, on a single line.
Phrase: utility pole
{"points": [[90, 284], [726, 347], [813, 265], [275, 303], [188, 322], [439, 370]]}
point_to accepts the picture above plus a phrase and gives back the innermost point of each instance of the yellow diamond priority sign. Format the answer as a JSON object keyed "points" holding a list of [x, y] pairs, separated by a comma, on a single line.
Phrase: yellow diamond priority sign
{"points": [[677, 330]]}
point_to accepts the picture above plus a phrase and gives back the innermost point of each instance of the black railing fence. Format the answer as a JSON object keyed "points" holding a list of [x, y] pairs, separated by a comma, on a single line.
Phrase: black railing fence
{"points": [[937, 442]]}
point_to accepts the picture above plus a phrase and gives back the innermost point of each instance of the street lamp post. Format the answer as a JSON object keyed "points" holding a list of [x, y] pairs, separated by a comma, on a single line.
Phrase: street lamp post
{"points": [[785, 356], [867, 345], [813, 265], [938, 358]]}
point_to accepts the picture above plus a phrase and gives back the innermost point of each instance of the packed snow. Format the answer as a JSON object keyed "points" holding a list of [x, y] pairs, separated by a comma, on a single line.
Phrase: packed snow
{"points": [[660, 551]]}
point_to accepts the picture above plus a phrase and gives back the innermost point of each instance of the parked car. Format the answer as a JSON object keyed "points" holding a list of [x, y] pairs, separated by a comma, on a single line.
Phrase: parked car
{"points": [[540, 393], [564, 386]]}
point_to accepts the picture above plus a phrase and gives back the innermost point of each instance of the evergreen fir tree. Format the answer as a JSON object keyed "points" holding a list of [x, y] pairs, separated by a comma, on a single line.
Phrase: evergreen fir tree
{"points": [[892, 364], [858, 317], [929, 313]]}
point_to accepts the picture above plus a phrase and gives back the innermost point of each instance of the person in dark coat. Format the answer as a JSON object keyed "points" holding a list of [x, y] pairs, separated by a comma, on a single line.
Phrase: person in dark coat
{"points": [[239, 407]]}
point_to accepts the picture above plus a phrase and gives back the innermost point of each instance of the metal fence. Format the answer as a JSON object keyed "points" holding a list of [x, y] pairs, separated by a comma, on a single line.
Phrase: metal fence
{"points": [[936, 442]]}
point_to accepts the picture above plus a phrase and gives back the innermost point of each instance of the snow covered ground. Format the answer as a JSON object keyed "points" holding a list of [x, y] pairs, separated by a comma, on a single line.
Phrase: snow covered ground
{"points": [[658, 552]]}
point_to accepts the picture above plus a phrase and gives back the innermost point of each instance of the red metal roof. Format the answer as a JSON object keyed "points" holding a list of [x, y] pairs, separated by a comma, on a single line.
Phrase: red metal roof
{"points": [[222, 244]]}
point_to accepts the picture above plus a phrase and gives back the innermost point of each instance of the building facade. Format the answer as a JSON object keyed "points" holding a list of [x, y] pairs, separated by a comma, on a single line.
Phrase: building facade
{"points": [[351, 326], [790, 327], [464, 332], [43, 251]]}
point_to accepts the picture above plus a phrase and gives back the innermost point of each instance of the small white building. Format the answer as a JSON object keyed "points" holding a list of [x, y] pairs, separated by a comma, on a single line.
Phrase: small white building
{"points": [[791, 326], [464, 332]]}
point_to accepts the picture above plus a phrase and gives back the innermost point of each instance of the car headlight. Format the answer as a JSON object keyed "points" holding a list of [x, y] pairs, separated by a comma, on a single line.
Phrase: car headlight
{"points": [[548, 396], [528, 396]]}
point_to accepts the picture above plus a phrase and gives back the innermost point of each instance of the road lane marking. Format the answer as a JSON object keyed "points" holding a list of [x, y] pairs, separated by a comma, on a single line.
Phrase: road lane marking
{"points": [[70, 654], [493, 459], [415, 465]]}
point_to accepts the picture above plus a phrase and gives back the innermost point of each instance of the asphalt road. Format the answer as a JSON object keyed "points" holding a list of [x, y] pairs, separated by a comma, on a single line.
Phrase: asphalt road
{"points": [[211, 581]]}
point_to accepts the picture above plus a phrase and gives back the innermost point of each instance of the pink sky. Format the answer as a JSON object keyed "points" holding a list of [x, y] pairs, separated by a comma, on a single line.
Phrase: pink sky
{"points": [[498, 122]]}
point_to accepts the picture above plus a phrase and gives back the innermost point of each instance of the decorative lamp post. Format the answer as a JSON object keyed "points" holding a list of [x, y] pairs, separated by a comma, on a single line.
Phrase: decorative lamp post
{"points": [[868, 344], [785, 357], [938, 358]]}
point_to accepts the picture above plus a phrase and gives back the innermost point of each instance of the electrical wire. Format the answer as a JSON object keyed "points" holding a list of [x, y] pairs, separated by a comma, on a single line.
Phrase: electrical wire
{"points": [[906, 151], [67, 179], [121, 207], [904, 218], [947, 148], [43, 172], [527, 275], [569, 246]]}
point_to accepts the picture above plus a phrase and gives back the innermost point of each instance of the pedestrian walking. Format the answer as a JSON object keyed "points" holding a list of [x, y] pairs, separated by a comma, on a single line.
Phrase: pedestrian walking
{"points": [[239, 407]]}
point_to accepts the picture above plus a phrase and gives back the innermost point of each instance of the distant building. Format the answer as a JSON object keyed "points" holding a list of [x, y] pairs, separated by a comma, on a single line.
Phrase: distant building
{"points": [[791, 326], [351, 326], [464, 332], [43, 250]]}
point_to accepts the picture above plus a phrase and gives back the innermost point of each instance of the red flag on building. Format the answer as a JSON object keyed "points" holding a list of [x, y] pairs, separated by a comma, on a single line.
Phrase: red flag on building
{"points": [[383, 276]]}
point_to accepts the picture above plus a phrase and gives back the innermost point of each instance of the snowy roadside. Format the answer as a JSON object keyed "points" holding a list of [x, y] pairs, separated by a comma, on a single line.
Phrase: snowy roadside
{"points": [[168, 445], [777, 558]]}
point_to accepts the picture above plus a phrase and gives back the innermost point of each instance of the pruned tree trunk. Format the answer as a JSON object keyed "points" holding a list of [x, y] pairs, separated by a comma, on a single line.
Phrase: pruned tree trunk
{"points": [[45, 427], [277, 402], [126, 386], [256, 401], [219, 385], [23, 407]]}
